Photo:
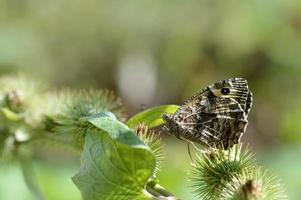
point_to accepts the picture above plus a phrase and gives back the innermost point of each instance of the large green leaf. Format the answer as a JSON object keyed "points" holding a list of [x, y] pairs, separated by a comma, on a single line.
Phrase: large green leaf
{"points": [[116, 164], [153, 116]]}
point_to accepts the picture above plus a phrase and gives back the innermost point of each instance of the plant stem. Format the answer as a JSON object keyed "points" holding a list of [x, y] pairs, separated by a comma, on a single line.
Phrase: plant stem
{"points": [[30, 179], [159, 192]]}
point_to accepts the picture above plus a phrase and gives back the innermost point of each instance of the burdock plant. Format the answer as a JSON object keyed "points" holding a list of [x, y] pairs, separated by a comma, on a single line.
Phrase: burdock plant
{"points": [[120, 157]]}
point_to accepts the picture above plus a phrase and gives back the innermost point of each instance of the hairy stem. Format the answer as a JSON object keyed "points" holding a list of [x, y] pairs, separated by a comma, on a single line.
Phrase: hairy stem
{"points": [[159, 192]]}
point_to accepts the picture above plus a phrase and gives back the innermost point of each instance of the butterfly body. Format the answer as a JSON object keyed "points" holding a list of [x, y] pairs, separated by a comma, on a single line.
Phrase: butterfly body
{"points": [[216, 116]]}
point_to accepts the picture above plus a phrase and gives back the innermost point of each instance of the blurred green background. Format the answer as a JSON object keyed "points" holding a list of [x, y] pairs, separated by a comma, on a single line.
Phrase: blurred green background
{"points": [[161, 52]]}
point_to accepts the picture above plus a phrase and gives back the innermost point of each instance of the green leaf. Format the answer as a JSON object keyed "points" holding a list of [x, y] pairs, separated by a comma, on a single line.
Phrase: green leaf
{"points": [[116, 164], [10, 114], [116, 129], [153, 116]]}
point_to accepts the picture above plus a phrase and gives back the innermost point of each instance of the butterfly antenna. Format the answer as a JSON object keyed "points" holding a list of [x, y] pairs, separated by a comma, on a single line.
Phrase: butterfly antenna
{"points": [[189, 152], [143, 107], [197, 148]]}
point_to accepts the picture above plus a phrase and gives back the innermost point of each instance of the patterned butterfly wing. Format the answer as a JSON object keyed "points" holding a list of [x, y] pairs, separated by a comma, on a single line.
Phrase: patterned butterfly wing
{"points": [[216, 116]]}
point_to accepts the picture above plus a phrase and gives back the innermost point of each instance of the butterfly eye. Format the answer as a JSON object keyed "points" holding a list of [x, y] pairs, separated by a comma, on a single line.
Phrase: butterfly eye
{"points": [[225, 91]]}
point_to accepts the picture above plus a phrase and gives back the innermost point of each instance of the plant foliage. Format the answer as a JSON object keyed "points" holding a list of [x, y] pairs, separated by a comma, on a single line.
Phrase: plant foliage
{"points": [[119, 160], [116, 164]]}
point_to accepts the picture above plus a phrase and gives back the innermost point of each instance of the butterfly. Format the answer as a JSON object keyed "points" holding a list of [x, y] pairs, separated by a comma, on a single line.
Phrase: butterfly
{"points": [[215, 117]]}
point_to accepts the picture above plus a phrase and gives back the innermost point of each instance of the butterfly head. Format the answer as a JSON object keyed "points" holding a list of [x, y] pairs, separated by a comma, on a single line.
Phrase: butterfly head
{"points": [[168, 119], [169, 123]]}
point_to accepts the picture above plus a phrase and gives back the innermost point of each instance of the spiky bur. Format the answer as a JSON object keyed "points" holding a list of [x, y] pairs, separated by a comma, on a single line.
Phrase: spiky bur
{"points": [[256, 185], [70, 126], [18, 98], [232, 175], [153, 140], [19, 94]]}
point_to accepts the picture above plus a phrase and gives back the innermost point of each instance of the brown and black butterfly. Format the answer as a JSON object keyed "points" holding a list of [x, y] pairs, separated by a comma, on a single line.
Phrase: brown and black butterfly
{"points": [[215, 117]]}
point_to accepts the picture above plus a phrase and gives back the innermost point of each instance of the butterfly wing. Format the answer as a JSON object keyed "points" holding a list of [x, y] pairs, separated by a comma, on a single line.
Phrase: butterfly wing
{"points": [[212, 118], [227, 125], [249, 103]]}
